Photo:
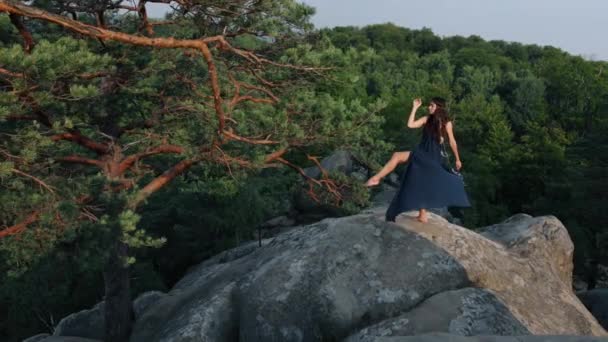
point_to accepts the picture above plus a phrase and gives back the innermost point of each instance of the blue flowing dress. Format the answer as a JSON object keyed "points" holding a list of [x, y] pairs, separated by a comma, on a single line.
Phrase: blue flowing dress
{"points": [[426, 183]]}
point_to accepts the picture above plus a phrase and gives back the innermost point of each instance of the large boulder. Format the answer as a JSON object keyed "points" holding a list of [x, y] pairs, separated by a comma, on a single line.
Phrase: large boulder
{"points": [[90, 323], [303, 284], [466, 312], [144, 301], [86, 323], [65, 339], [365, 279], [37, 338], [443, 337], [524, 261]]}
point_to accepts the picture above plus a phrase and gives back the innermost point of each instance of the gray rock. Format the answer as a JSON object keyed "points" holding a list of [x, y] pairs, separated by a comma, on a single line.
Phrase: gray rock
{"points": [[223, 259], [344, 273], [362, 177], [596, 301], [364, 279], [526, 262], [91, 323], [443, 337], [193, 317], [36, 338], [335, 278], [466, 312], [144, 301], [338, 161], [86, 323], [68, 339], [319, 281], [443, 212], [383, 197]]}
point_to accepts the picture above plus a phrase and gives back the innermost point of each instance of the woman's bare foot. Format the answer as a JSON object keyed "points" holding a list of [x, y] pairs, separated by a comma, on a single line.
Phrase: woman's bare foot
{"points": [[422, 217], [373, 181]]}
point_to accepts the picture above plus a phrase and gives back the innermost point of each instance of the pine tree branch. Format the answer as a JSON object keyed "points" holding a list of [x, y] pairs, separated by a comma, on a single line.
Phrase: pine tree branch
{"points": [[20, 227], [10, 73], [126, 163], [81, 160], [269, 160], [89, 76], [16, 8], [78, 138], [238, 98], [85, 76], [35, 216], [325, 182], [41, 116], [35, 179], [202, 45], [232, 136], [160, 181], [215, 86], [275, 155], [261, 89]]}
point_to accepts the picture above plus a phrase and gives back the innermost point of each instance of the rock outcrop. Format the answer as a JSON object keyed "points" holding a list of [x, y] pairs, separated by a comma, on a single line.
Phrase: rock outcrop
{"points": [[359, 279], [86, 323], [443, 337], [90, 323], [362, 279]]}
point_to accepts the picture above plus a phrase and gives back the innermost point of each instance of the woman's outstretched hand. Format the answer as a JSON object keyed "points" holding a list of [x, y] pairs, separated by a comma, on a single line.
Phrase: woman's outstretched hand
{"points": [[458, 165], [417, 103]]}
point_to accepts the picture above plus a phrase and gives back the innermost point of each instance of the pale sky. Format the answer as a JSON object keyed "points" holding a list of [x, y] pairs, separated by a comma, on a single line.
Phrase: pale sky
{"points": [[576, 26]]}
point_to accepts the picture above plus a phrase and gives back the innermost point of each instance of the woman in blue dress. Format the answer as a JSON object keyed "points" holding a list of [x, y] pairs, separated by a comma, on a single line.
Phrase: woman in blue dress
{"points": [[426, 183]]}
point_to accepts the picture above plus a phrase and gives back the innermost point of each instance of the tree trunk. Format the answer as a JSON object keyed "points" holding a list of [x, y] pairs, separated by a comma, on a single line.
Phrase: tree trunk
{"points": [[118, 306]]}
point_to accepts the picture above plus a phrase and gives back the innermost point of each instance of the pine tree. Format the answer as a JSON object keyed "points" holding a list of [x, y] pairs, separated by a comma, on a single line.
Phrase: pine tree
{"points": [[101, 110]]}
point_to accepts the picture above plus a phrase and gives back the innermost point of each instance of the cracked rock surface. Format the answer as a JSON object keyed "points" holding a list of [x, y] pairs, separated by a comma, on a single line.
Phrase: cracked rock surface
{"points": [[359, 278]]}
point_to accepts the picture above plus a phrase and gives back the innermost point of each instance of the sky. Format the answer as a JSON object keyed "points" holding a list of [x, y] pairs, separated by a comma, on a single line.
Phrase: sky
{"points": [[576, 26]]}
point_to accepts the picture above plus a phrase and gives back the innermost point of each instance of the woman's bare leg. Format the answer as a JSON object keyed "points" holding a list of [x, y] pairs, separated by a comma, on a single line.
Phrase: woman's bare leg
{"points": [[396, 159], [422, 217]]}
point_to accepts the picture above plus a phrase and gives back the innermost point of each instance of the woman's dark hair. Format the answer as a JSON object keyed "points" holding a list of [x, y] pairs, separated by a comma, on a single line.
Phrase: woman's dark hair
{"points": [[435, 124]]}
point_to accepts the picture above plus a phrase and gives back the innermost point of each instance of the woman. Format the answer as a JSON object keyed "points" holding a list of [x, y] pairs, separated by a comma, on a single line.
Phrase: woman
{"points": [[426, 183]]}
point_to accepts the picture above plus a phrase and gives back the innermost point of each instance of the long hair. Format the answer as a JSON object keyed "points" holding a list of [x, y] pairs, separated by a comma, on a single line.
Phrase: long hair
{"points": [[435, 124]]}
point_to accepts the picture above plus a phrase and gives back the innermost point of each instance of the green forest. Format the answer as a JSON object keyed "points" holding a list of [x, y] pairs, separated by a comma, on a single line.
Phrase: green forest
{"points": [[134, 148]]}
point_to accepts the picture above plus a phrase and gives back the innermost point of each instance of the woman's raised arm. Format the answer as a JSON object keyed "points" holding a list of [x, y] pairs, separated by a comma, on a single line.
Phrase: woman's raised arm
{"points": [[412, 122]]}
